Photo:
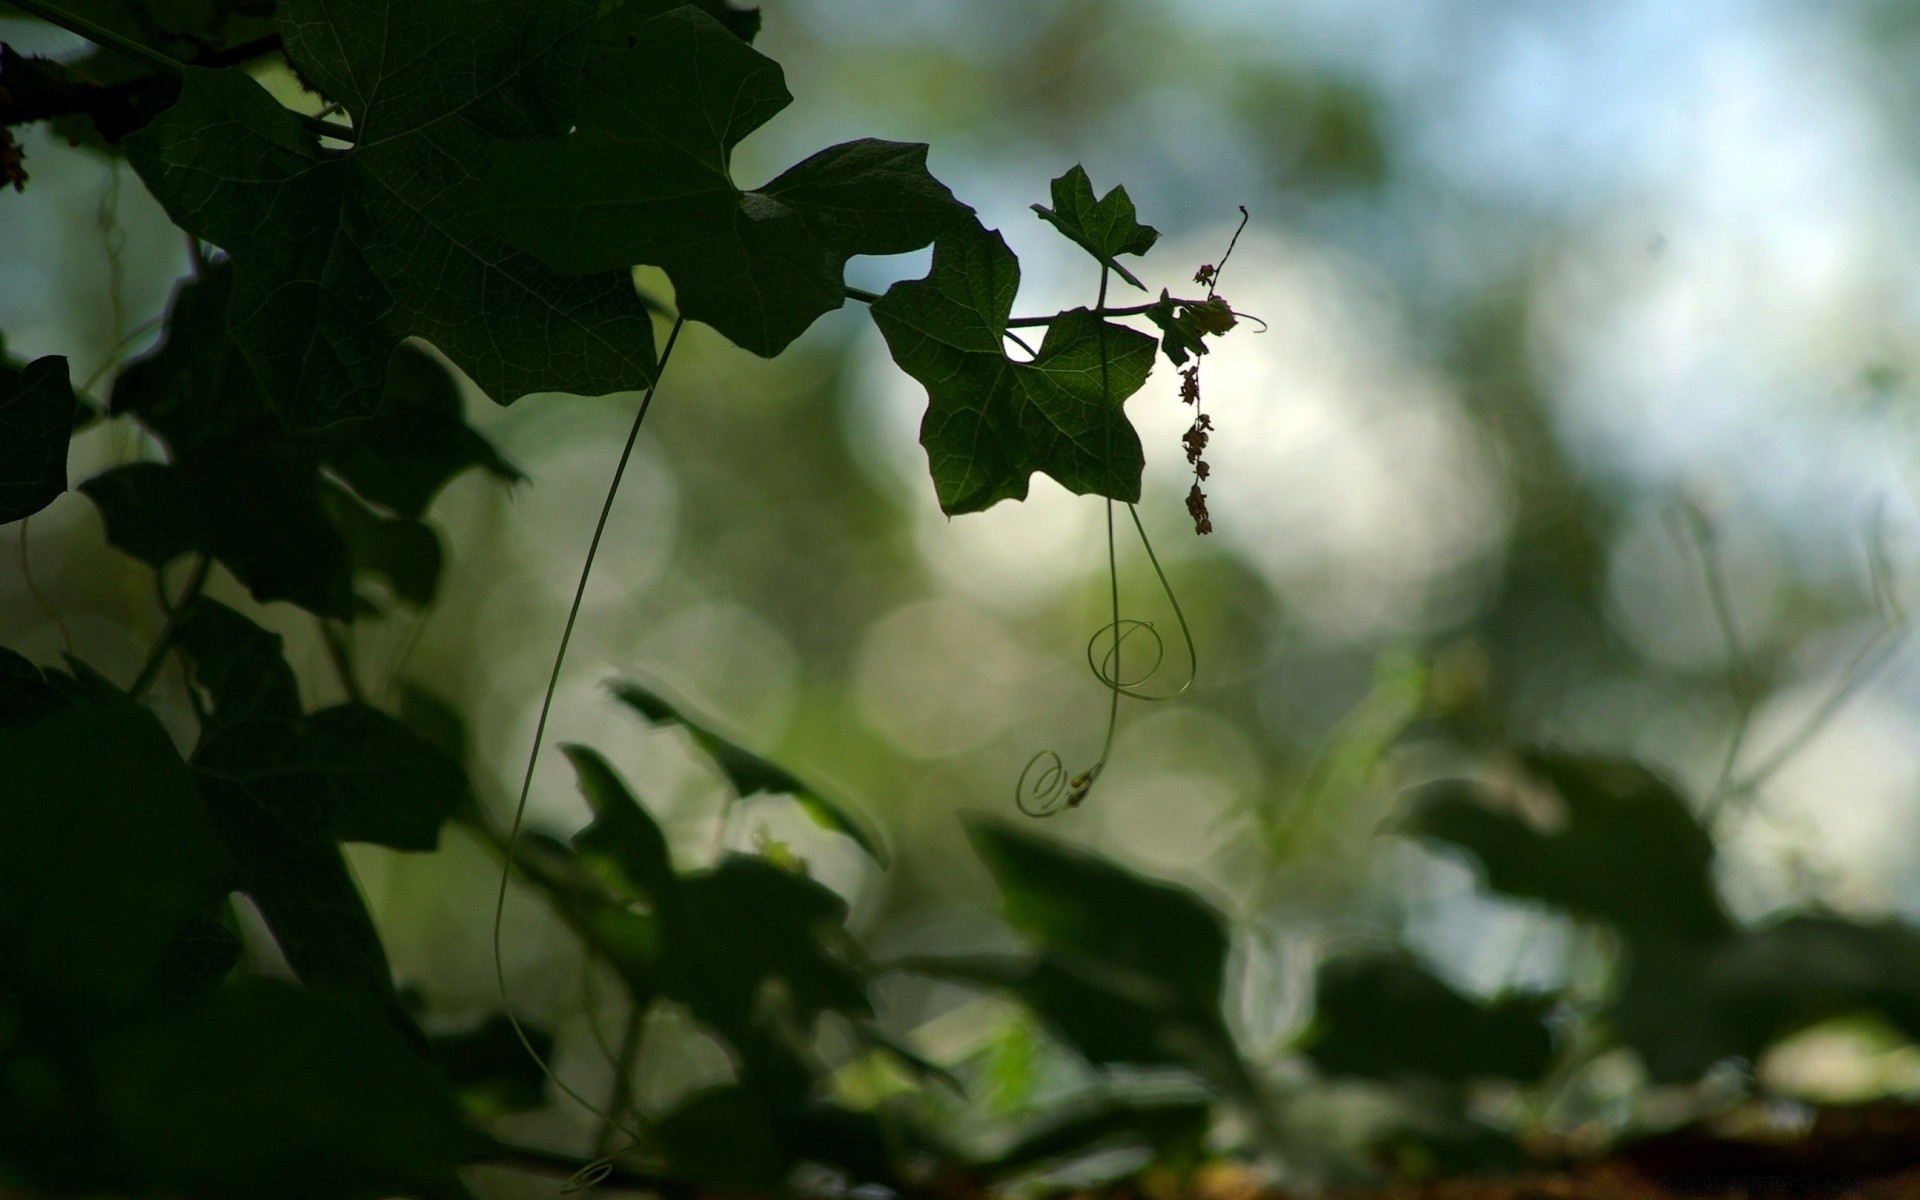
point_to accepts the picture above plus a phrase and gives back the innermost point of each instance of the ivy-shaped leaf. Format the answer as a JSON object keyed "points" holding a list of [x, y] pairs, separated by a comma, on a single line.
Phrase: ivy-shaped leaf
{"points": [[992, 422], [37, 410], [749, 773], [342, 254], [645, 178], [1104, 228]]}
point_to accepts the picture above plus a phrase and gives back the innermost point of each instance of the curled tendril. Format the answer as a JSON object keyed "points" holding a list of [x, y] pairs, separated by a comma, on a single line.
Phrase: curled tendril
{"points": [[1051, 792], [590, 1176], [1044, 788]]}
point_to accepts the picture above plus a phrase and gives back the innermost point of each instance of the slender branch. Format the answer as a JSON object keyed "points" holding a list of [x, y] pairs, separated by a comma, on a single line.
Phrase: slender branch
{"points": [[156, 657], [100, 35]]}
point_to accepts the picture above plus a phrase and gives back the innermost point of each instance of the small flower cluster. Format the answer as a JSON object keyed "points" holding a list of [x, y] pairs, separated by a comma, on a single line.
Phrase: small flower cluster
{"points": [[1195, 441]]}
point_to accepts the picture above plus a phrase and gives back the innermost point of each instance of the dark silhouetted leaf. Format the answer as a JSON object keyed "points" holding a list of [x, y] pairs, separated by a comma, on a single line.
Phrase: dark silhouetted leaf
{"points": [[402, 456], [645, 178], [1685, 1008], [37, 414], [1386, 1017], [746, 922], [106, 853], [726, 1137], [404, 552], [748, 772], [623, 834], [375, 244], [491, 1070], [1104, 228], [272, 1091], [1126, 970], [1625, 848], [992, 422]]}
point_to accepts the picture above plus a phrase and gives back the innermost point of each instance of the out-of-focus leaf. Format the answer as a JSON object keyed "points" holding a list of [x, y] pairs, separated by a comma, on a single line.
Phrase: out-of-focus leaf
{"points": [[404, 552], [149, 511], [240, 665], [1386, 1017], [491, 1070], [37, 409], [26, 693], [645, 178], [623, 834], [1625, 847], [749, 773], [253, 505], [1104, 228], [350, 772], [745, 923], [106, 854], [1685, 1009], [195, 390], [992, 422], [304, 889], [1175, 1131], [435, 720], [273, 1091], [401, 456], [726, 1137], [376, 244], [1085, 909], [1127, 970]]}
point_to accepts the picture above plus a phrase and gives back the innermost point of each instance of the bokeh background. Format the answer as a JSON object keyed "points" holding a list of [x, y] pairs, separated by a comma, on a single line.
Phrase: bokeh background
{"points": [[1583, 413]]}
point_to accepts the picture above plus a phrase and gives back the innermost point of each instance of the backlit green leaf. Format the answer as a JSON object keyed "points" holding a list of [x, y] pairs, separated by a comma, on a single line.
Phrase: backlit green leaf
{"points": [[645, 178], [991, 422], [1104, 228], [371, 245]]}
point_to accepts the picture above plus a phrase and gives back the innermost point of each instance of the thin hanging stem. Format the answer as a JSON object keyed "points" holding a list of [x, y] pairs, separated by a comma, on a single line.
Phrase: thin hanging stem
{"points": [[540, 733]]}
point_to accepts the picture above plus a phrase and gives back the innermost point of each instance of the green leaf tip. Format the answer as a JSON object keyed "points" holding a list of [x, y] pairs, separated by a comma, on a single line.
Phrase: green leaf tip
{"points": [[1104, 228]]}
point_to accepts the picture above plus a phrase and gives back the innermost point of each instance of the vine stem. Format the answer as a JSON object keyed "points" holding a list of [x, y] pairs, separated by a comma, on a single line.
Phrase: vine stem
{"points": [[157, 657], [540, 733], [1100, 309], [100, 35]]}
